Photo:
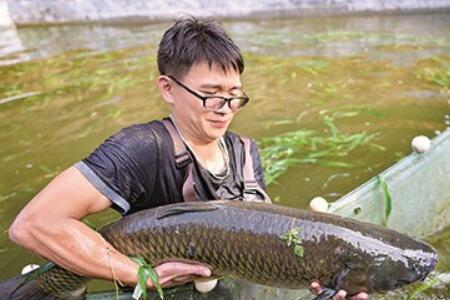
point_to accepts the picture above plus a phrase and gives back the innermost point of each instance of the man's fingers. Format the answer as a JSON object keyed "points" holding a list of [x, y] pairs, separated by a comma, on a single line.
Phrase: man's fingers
{"points": [[360, 296], [177, 273], [176, 281], [340, 295], [179, 279], [315, 287], [180, 269]]}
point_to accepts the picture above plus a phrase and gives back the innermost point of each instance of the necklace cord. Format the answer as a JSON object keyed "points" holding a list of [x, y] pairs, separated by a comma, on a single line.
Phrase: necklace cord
{"points": [[222, 147]]}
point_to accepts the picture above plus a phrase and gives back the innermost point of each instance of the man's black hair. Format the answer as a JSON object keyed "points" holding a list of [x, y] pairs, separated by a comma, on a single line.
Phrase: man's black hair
{"points": [[192, 40]]}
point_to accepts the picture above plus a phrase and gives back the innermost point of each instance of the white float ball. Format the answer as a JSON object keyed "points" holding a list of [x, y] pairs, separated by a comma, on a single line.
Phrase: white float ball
{"points": [[29, 268], [421, 144], [318, 204], [205, 286]]}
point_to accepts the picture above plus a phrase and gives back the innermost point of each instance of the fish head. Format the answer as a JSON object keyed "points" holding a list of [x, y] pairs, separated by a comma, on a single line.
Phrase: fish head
{"points": [[382, 271], [387, 271]]}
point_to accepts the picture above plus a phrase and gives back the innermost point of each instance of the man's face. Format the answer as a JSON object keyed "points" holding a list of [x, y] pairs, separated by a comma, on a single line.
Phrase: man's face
{"points": [[200, 124]]}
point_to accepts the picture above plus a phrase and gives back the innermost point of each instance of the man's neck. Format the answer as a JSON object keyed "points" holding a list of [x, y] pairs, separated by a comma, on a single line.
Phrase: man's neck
{"points": [[205, 150]]}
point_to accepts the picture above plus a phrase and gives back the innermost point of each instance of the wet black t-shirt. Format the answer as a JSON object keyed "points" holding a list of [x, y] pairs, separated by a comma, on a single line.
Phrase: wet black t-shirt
{"points": [[135, 168]]}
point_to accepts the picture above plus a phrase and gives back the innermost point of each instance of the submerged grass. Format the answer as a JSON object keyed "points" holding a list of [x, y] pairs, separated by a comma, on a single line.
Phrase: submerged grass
{"points": [[323, 89], [431, 282], [439, 77], [75, 74], [437, 73], [335, 35], [310, 147], [313, 67]]}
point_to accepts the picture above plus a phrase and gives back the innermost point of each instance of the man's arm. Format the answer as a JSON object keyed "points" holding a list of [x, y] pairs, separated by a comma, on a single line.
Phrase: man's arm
{"points": [[50, 226]]}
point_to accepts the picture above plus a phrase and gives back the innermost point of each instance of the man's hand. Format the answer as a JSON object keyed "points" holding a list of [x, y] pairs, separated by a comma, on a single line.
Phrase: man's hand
{"points": [[341, 295], [178, 273]]}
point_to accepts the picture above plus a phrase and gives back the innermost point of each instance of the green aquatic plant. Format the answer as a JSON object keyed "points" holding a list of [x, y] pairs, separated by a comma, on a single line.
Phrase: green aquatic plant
{"points": [[146, 272], [437, 76], [387, 199], [429, 283], [78, 75], [10, 195], [286, 150], [337, 35], [323, 89], [399, 155], [89, 224], [313, 67], [292, 240], [49, 173]]}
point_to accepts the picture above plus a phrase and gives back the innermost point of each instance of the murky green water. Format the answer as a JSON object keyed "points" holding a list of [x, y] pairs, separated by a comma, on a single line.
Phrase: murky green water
{"points": [[63, 90]]}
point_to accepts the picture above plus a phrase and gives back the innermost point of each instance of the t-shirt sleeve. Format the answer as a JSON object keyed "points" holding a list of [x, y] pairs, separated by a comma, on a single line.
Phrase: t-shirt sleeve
{"points": [[123, 167], [257, 165]]}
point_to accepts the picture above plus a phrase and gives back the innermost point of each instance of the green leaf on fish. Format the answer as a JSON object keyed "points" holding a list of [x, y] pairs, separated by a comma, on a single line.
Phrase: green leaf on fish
{"points": [[298, 250], [145, 272], [292, 239]]}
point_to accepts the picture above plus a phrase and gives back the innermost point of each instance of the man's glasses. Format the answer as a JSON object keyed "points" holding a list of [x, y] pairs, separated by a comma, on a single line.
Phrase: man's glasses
{"points": [[217, 102]]}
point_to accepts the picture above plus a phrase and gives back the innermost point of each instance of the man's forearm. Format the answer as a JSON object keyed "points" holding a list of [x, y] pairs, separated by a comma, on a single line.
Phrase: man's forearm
{"points": [[77, 248]]}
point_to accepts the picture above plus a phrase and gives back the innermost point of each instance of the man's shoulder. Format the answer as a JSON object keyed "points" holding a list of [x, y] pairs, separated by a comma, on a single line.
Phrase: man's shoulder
{"points": [[140, 135], [142, 128]]}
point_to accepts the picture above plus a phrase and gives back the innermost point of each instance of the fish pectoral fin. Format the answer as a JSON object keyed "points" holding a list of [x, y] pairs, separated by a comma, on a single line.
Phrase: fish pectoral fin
{"points": [[326, 294], [185, 207]]}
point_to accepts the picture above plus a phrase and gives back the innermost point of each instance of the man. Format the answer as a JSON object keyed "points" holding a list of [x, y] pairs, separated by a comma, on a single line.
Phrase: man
{"points": [[141, 166]]}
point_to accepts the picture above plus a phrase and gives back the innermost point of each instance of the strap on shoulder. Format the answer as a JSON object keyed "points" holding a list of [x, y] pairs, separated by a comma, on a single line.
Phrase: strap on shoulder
{"points": [[182, 160], [251, 186]]}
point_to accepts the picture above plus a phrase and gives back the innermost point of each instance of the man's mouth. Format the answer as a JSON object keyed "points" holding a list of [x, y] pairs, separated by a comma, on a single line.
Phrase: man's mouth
{"points": [[218, 123]]}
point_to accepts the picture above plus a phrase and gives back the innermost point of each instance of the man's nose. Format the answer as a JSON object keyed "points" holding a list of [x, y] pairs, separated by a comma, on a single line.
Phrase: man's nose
{"points": [[225, 109]]}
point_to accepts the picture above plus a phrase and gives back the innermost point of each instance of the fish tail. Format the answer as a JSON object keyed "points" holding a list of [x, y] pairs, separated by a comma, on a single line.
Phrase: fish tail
{"points": [[25, 288]]}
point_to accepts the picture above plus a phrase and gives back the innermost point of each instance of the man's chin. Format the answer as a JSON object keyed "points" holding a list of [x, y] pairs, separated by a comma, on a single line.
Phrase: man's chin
{"points": [[217, 133]]}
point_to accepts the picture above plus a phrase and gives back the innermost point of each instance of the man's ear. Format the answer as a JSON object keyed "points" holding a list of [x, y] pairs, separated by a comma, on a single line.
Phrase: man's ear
{"points": [[165, 87]]}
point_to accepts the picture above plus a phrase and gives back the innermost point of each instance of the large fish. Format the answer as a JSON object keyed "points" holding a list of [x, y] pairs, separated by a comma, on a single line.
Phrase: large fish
{"points": [[249, 241]]}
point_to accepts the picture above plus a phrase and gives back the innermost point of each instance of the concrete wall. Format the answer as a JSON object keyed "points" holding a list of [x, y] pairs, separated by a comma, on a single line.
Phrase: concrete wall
{"points": [[5, 18], [27, 12]]}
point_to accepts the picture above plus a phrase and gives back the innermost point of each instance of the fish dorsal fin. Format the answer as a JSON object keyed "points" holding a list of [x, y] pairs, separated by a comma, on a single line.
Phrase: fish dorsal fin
{"points": [[186, 207]]}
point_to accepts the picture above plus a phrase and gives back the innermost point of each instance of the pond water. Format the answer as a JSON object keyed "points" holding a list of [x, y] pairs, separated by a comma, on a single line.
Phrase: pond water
{"points": [[347, 94]]}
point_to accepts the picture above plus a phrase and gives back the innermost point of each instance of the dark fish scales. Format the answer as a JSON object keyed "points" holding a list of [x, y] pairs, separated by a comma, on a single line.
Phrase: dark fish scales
{"points": [[243, 240]]}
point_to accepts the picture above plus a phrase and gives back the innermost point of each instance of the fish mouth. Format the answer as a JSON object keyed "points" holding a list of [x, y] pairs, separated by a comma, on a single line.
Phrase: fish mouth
{"points": [[426, 263], [422, 270], [428, 269]]}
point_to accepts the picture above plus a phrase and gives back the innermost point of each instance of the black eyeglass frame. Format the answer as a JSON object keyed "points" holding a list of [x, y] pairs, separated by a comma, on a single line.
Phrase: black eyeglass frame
{"points": [[245, 99]]}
